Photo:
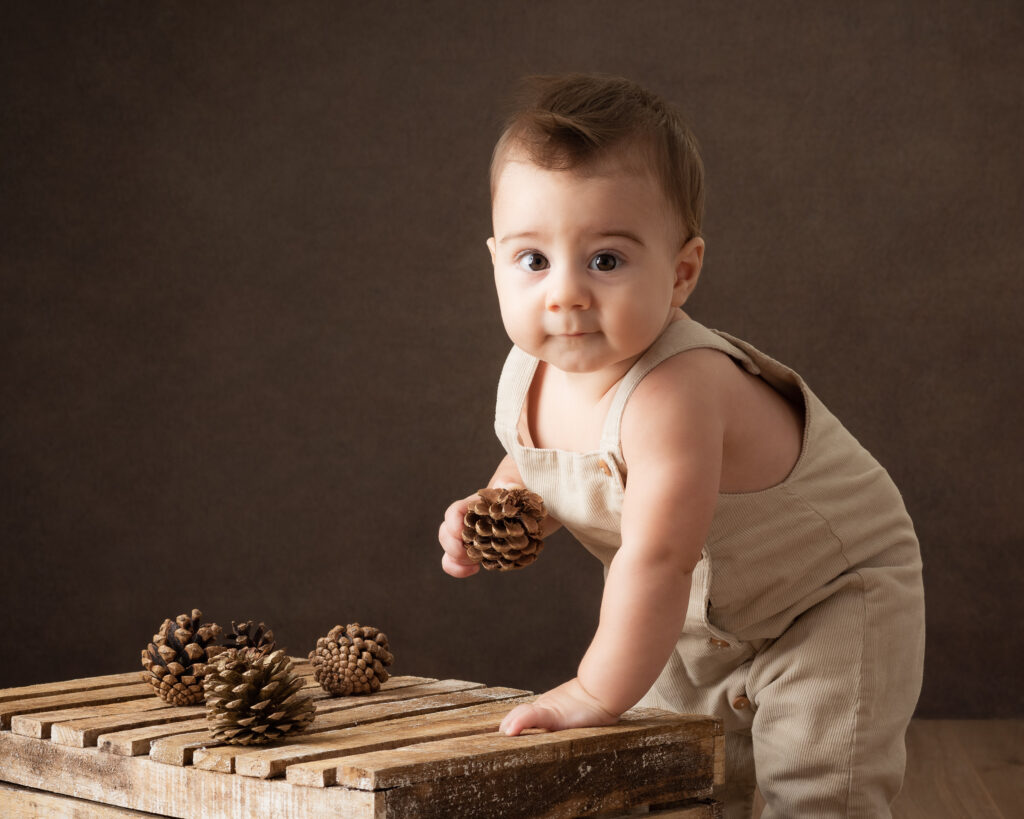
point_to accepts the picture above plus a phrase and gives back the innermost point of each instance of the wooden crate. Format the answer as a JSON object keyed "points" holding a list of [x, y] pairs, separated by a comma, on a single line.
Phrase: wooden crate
{"points": [[420, 747]]}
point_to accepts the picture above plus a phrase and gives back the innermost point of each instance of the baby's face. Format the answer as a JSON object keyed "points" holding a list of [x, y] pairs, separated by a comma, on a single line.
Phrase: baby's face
{"points": [[586, 265]]}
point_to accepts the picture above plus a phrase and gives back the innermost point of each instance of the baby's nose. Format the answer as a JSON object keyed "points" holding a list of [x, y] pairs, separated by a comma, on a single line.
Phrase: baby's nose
{"points": [[567, 290]]}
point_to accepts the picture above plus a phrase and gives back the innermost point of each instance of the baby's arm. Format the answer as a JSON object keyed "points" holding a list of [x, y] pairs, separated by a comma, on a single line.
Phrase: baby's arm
{"points": [[454, 561], [672, 440]]}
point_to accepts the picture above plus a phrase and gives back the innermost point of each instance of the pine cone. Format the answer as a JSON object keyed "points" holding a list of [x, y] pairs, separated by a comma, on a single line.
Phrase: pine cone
{"points": [[503, 528], [250, 635], [253, 698], [177, 659], [351, 660]]}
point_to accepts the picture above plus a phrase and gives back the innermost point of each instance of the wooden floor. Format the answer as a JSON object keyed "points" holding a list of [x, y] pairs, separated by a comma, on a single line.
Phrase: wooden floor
{"points": [[962, 769]]}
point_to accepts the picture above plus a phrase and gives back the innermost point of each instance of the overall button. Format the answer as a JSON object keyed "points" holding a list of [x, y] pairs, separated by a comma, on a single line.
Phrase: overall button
{"points": [[718, 643], [605, 468], [740, 703]]}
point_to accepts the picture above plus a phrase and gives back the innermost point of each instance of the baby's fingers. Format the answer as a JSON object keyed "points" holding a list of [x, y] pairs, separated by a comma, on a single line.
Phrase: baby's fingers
{"points": [[455, 561], [459, 567], [528, 716], [454, 517]]}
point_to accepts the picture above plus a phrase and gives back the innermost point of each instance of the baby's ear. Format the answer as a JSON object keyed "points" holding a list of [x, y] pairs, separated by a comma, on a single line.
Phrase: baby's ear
{"points": [[688, 262], [492, 246]]}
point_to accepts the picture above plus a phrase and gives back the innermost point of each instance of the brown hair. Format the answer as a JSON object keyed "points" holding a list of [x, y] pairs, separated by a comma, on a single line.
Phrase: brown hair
{"points": [[572, 121]]}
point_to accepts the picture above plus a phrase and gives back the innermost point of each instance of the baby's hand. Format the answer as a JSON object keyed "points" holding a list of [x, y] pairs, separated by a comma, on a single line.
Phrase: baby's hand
{"points": [[455, 561], [568, 706]]}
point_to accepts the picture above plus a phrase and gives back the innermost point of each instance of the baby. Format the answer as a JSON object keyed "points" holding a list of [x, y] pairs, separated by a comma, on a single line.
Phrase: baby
{"points": [[759, 563]]}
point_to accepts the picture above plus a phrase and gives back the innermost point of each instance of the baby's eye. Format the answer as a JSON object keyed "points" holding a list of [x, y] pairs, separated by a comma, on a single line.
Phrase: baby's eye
{"points": [[605, 262], [532, 261]]}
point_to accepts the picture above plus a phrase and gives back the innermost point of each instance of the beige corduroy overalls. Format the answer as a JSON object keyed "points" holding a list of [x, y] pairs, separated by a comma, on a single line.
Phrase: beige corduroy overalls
{"points": [[805, 625]]}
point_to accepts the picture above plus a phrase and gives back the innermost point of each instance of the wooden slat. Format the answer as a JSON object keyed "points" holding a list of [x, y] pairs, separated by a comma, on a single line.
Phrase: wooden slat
{"points": [[483, 755], [27, 803], [402, 681], [377, 712], [98, 696], [272, 761], [137, 741], [178, 749], [83, 733], [25, 692], [390, 688], [39, 725], [397, 694]]}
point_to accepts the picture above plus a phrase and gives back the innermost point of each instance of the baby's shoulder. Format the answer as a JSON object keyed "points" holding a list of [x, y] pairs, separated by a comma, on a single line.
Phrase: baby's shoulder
{"points": [[693, 387], [704, 370], [677, 415], [704, 402]]}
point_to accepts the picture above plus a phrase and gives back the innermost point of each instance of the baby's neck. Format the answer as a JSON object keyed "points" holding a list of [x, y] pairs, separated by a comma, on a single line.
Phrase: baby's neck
{"points": [[567, 410], [588, 389]]}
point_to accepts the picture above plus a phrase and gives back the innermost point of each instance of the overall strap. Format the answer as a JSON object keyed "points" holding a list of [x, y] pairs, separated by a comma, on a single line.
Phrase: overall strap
{"points": [[515, 380], [679, 336]]}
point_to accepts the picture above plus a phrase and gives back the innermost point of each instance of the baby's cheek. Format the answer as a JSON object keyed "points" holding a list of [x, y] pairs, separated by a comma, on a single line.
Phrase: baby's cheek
{"points": [[647, 322], [509, 318], [522, 333], [526, 320], [625, 329]]}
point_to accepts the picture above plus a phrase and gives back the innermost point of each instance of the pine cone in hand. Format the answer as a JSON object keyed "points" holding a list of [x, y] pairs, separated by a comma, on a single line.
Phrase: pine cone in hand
{"points": [[351, 660], [502, 528], [177, 659], [253, 697]]}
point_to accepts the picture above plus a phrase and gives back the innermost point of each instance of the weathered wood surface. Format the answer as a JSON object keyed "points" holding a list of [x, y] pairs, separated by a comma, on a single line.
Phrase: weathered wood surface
{"points": [[117, 688], [396, 733], [97, 696], [136, 741], [484, 756], [385, 704], [643, 759], [166, 790], [418, 747], [701, 809], [25, 692], [28, 803], [38, 725]]}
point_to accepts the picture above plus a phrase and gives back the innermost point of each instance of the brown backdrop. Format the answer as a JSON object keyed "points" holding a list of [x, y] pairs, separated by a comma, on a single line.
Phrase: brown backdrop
{"points": [[249, 342]]}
